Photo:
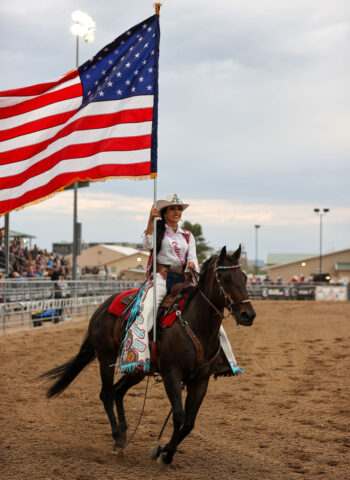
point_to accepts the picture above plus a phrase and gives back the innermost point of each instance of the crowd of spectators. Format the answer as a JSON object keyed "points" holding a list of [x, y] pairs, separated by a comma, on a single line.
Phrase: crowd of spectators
{"points": [[35, 262]]}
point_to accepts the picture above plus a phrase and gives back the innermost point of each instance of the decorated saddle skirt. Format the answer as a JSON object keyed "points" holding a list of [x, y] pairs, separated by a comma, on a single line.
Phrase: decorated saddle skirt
{"points": [[134, 353]]}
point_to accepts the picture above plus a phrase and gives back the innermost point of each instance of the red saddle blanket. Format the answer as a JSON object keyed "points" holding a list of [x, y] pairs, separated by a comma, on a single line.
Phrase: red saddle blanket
{"points": [[167, 321], [117, 308]]}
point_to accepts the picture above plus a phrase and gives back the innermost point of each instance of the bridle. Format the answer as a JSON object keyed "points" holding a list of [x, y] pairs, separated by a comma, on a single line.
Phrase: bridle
{"points": [[229, 302]]}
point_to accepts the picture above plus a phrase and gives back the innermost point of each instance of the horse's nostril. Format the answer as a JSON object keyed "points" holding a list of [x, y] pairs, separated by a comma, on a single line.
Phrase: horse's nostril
{"points": [[247, 316]]}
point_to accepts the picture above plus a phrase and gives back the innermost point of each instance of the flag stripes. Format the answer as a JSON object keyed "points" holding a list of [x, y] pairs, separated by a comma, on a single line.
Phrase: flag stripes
{"points": [[93, 123]]}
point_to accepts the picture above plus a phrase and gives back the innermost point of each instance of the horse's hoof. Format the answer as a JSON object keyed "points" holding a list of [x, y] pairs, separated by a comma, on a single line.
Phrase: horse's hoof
{"points": [[155, 452], [119, 451], [163, 460]]}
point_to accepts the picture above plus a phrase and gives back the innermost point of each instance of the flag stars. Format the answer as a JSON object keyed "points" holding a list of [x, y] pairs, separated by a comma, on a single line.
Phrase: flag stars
{"points": [[133, 89], [101, 94], [140, 39], [87, 76], [106, 49], [110, 62], [149, 29], [137, 55], [103, 72], [144, 25], [96, 83], [119, 92], [146, 45], [149, 87], [141, 79], [152, 53], [150, 70], [122, 42], [128, 33], [119, 74], [136, 72], [144, 62], [128, 82], [110, 84], [131, 48], [128, 65], [116, 52]]}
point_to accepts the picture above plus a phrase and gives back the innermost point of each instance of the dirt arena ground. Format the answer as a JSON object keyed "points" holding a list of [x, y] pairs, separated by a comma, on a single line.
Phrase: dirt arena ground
{"points": [[286, 418]]}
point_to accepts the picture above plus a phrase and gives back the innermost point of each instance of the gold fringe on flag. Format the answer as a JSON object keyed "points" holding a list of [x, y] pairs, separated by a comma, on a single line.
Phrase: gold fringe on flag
{"points": [[50, 195]]}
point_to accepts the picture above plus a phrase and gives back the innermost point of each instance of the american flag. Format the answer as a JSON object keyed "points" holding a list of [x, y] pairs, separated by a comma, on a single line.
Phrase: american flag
{"points": [[98, 121]]}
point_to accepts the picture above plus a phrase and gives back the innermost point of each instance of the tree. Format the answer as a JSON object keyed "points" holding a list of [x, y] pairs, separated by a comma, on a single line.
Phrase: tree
{"points": [[202, 247]]}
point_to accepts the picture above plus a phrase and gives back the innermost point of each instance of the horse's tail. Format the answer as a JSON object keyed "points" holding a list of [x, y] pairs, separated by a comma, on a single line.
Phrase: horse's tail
{"points": [[66, 373]]}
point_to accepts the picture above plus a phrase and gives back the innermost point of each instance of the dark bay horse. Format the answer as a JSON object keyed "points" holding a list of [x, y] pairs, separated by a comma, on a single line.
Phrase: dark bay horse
{"points": [[222, 284]]}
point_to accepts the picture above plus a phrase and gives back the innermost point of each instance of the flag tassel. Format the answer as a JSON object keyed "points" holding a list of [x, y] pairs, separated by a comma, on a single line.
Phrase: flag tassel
{"points": [[157, 7]]}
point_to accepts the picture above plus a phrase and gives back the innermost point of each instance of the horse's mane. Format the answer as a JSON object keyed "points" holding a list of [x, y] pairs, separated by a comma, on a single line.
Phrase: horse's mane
{"points": [[206, 267]]}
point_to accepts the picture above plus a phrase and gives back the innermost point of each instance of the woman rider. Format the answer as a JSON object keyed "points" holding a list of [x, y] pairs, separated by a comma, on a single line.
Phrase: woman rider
{"points": [[176, 253]]}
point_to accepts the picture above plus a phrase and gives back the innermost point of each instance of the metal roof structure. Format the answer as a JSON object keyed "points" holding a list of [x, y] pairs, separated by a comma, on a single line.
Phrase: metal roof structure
{"points": [[280, 258]]}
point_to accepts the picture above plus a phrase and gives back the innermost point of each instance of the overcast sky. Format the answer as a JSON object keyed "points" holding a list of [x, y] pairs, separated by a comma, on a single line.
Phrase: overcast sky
{"points": [[254, 115]]}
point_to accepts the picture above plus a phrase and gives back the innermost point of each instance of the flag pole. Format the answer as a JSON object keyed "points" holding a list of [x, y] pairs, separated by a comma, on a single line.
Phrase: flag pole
{"points": [[157, 8], [154, 262], [7, 245]]}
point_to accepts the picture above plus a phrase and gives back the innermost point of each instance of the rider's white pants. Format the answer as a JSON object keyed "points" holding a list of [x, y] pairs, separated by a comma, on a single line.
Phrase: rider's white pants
{"points": [[147, 313]]}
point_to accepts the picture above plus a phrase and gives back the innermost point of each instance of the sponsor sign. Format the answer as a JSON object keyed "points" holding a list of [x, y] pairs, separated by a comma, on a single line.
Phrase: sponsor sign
{"points": [[331, 293]]}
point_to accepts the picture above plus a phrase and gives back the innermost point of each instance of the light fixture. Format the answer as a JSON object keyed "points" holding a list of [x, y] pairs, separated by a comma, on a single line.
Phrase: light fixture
{"points": [[303, 264], [139, 259], [84, 26]]}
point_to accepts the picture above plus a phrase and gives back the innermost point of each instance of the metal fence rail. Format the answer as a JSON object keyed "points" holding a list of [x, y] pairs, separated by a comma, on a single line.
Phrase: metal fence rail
{"points": [[29, 303]]}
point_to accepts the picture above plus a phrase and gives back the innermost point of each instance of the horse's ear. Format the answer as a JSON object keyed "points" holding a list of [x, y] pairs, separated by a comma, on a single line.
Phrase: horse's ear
{"points": [[222, 255], [237, 254]]}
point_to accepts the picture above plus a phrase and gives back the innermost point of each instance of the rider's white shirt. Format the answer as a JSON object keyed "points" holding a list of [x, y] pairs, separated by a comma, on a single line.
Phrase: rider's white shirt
{"points": [[167, 254]]}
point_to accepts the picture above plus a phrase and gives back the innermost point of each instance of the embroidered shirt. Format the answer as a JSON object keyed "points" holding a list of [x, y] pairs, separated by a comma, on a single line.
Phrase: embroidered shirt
{"points": [[169, 253]]}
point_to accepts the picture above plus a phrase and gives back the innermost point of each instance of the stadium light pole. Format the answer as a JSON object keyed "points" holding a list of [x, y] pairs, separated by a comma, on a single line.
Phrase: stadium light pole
{"points": [[321, 215], [256, 248], [84, 27]]}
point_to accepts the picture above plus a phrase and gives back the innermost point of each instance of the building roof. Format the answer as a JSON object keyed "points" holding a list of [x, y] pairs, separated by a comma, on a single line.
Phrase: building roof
{"points": [[123, 250], [279, 258], [14, 233], [310, 257]]}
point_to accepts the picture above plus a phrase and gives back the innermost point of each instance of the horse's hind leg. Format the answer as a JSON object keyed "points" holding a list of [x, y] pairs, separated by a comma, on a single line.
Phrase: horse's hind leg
{"points": [[107, 397], [120, 388]]}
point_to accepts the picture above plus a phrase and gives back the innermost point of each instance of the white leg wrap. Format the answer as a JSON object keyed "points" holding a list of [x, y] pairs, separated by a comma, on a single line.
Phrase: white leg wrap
{"points": [[226, 346]]}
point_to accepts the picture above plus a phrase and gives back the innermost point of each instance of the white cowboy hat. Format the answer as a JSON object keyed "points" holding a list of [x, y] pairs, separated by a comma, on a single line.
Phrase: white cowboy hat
{"points": [[171, 199]]}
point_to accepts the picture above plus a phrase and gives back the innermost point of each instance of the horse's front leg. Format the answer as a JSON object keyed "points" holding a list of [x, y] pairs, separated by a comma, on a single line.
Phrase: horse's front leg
{"points": [[172, 384], [120, 388], [195, 394]]}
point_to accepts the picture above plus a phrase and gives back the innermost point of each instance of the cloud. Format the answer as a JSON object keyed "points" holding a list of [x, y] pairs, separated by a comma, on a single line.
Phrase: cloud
{"points": [[214, 212]]}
